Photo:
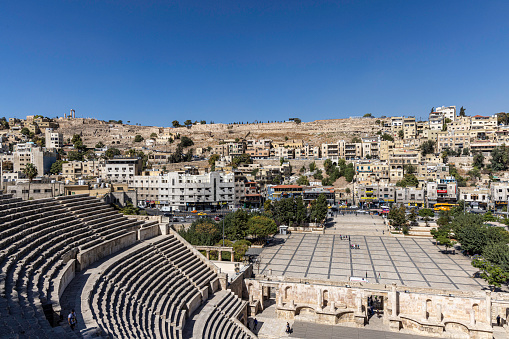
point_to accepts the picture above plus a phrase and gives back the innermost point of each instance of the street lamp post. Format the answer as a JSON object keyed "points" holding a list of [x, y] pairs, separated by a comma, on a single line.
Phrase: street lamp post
{"points": [[223, 220]]}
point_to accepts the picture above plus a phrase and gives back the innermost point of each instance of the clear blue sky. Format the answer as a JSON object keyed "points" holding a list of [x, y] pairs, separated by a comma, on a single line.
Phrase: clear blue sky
{"points": [[151, 62]]}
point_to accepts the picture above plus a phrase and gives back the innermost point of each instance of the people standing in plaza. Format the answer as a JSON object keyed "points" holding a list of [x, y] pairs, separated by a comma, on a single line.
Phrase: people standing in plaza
{"points": [[287, 327], [255, 324]]}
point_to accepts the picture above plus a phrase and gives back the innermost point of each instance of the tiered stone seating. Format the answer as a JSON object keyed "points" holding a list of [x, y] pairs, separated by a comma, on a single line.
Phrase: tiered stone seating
{"points": [[34, 237], [218, 322], [101, 218], [152, 289], [192, 267]]}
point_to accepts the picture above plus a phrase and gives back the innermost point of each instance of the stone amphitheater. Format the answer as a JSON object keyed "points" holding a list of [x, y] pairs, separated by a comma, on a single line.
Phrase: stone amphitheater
{"points": [[124, 277]]}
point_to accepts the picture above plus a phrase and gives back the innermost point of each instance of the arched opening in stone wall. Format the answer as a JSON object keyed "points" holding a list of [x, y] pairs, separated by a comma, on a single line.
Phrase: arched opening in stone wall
{"points": [[325, 298], [475, 308], [429, 308], [286, 294]]}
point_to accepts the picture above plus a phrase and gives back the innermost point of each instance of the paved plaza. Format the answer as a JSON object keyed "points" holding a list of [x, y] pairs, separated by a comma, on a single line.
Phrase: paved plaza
{"points": [[381, 257]]}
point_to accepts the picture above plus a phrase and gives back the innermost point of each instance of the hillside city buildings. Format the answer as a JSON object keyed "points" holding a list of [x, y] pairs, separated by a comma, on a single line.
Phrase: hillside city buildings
{"points": [[380, 161]]}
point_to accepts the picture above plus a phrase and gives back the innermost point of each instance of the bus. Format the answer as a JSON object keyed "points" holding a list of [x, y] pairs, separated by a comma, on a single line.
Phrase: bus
{"points": [[443, 206]]}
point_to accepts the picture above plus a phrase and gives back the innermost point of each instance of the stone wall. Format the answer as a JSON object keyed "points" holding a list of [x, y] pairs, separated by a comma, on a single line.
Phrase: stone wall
{"points": [[65, 277], [411, 310], [148, 232], [104, 249], [238, 286]]}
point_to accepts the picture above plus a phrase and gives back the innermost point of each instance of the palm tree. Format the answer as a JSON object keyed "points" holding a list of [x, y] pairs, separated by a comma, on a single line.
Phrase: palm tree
{"points": [[31, 172]]}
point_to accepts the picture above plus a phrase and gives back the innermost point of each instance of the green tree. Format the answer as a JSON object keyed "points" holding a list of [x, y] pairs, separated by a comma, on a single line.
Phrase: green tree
{"points": [[138, 138], [349, 172], [409, 180], [235, 224], [493, 274], [30, 171], [462, 112], [186, 141], [478, 160], [188, 123], [99, 145], [260, 227], [356, 140], [300, 210], [499, 158], [25, 131], [74, 156], [368, 115], [303, 181], [56, 167], [426, 214], [212, 161], [397, 216], [312, 166], [443, 235], [175, 124], [111, 152], [498, 254], [428, 147], [267, 206], [387, 137], [327, 164], [347, 190], [413, 216], [302, 169], [240, 248], [153, 135], [401, 134], [297, 121], [319, 209], [242, 159]]}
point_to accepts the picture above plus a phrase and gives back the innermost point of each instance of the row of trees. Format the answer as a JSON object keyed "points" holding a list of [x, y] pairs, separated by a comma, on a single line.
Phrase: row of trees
{"points": [[237, 227], [487, 244], [293, 211]]}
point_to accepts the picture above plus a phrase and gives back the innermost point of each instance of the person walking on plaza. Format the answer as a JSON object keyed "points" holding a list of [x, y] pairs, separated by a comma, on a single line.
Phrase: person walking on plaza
{"points": [[71, 319]]}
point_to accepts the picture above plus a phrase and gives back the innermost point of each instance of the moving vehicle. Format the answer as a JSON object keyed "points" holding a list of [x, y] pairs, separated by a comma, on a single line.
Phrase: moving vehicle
{"points": [[443, 206], [202, 213]]}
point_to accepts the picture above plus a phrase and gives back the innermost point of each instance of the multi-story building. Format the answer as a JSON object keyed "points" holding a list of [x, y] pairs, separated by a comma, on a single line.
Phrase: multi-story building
{"points": [[371, 147], [475, 197], [330, 150], [454, 140], [399, 159], [436, 121], [79, 169], [480, 122], [396, 124], [186, 192], [350, 150], [121, 169], [375, 195], [410, 196], [283, 152], [499, 194], [312, 193], [409, 128], [236, 148], [447, 112], [53, 139], [277, 192], [368, 171], [441, 191], [31, 153]]}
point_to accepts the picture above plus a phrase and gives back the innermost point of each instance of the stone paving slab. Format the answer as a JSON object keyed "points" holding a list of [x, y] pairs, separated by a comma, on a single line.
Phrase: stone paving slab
{"points": [[381, 257]]}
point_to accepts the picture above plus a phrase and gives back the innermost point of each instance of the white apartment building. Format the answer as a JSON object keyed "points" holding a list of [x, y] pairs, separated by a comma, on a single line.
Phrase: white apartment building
{"points": [[436, 121], [53, 139], [447, 112], [121, 170], [187, 192]]}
